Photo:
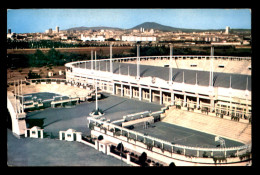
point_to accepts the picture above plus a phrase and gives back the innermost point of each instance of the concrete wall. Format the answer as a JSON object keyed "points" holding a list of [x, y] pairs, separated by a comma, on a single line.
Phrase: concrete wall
{"points": [[18, 126], [165, 156]]}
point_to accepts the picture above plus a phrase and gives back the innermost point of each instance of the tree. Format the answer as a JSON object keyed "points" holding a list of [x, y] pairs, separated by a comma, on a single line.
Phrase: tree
{"points": [[142, 159], [100, 137], [120, 147], [172, 164], [32, 75], [54, 57]]}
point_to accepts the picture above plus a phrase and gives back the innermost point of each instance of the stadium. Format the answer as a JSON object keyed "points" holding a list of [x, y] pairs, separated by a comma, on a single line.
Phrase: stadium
{"points": [[176, 108]]}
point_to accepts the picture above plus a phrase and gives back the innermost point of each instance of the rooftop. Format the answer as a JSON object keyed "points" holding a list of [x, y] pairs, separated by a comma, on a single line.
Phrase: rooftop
{"points": [[238, 81]]}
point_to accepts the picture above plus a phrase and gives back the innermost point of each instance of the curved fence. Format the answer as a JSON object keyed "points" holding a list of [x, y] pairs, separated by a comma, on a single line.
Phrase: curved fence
{"points": [[160, 145]]}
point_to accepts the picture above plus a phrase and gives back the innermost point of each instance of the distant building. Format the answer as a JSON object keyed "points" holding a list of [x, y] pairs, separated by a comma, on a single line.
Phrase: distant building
{"points": [[92, 38], [227, 30], [141, 29], [57, 29], [9, 31], [49, 31], [138, 38]]}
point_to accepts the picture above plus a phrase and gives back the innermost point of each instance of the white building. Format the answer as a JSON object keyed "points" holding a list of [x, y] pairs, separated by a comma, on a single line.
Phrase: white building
{"points": [[138, 38], [57, 29], [92, 38], [227, 30]]}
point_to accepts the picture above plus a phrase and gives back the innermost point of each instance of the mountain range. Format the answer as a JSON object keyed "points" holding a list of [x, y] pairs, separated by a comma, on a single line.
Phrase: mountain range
{"points": [[155, 26]]}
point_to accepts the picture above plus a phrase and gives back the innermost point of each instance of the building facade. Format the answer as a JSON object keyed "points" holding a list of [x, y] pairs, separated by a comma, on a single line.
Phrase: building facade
{"points": [[153, 84]]}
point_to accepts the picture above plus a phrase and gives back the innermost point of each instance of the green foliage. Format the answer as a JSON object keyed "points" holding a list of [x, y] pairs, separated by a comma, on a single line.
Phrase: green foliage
{"points": [[219, 159], [172, 164], [100, 137], [245, 156], [52, 58], [142, 159], [32, 75], [204, 155], [91, 126], [178, 151], [120, 147]]}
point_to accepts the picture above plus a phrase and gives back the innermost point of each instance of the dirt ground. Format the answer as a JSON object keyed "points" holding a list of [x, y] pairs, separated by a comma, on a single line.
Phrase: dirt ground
{"points": [[78, 50], [21, 73]]}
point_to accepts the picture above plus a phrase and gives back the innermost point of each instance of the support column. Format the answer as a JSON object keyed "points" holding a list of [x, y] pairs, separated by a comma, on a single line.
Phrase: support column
{"points": [[150, 93], [128, 158], [60, 135], [41, 134], [25, 133], [131, 91], [184, 100], [161, 102], [140, 93], [172, 98], [122, 90], [212, 104], [198, 102], [113, 89]]}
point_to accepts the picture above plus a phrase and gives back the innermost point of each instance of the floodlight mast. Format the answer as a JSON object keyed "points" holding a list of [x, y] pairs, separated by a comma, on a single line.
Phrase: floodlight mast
{"points": [[91, 60], [96, 97], [111, 63], [138, 62], [211, 68], [170, 65]]}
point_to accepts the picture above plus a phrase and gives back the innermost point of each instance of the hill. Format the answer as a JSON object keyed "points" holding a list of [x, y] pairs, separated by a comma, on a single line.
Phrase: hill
{"points": [[156, 26]]}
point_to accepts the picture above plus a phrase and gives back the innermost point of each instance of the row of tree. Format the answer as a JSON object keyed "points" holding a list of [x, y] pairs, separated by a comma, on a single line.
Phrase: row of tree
{"points": [[17, 44], [218, 50], [55, 58], [39, 59]]}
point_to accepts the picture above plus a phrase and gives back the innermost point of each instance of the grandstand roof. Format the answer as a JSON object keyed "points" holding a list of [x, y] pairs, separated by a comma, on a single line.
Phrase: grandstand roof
{"points": [[239, 81]]}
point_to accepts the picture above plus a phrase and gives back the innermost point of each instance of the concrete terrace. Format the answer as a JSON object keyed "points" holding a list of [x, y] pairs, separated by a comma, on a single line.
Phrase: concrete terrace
{"points": [[239, 81]]}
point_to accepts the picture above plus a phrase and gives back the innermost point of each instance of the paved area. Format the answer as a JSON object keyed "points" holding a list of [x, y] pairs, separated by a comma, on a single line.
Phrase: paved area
{"points": [[54, 120], [183, 136], [50, 152]]}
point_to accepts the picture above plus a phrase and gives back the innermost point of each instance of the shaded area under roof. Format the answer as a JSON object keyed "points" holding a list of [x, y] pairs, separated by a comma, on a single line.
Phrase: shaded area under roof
{"points": [[238, 81]]}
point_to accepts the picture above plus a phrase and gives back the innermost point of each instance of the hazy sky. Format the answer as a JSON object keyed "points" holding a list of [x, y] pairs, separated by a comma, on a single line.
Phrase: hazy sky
{"points": [[39, 20]]}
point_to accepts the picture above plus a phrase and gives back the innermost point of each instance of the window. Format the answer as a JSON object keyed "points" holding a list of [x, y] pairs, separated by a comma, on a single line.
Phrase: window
{"points": [[193, 65], [221, 66]]}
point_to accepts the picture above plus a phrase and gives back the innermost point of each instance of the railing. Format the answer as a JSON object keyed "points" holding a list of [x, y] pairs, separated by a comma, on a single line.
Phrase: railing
{"points": [[164, 57], [185, 149]]}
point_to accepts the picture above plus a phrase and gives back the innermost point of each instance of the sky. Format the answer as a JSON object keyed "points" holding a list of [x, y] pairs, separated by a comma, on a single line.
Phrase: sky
{"points": [[39, 20]]}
